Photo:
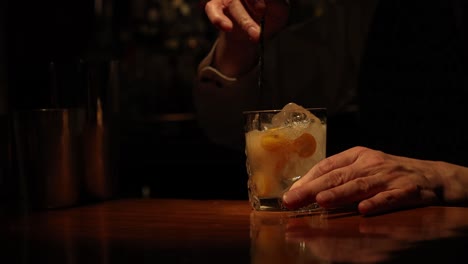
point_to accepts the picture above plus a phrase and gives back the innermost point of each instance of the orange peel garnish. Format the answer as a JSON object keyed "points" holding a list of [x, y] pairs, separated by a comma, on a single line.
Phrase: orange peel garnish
{"points": [[305, 145], [274, 142]]}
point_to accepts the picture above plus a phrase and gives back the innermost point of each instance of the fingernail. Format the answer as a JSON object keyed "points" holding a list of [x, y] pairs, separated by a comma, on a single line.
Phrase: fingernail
{"points": [[364, 207], [291, 197], [253, 32], [225, 25]]}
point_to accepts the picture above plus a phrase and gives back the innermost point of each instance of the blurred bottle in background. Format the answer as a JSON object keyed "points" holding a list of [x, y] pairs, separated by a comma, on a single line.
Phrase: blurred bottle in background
{"points": [[101, 137], [153, 48], [60, 55]]}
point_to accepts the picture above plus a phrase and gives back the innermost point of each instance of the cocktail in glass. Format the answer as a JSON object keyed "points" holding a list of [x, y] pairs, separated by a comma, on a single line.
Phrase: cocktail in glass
{"points": [[281, 146]]}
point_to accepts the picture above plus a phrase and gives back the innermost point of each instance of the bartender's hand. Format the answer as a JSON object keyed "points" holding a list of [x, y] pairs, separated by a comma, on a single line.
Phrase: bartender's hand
{"points": [[379, 182], [239, 22], [242, 17]]}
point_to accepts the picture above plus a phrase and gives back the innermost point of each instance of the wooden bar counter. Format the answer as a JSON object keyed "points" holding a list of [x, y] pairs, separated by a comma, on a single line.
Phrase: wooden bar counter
{"points": [[228, 231]]}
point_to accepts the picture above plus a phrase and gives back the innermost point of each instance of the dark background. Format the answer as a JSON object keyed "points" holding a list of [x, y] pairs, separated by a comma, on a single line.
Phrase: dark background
{"points": [[162, 151], [158, 44]]}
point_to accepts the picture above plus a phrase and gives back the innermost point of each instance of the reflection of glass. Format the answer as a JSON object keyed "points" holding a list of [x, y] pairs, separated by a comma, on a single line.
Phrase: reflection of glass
{"points": [[269, 243], [281, 146]]}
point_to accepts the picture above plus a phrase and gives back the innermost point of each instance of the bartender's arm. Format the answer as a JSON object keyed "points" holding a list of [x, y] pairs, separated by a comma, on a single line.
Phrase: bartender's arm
{"points": [[226, 81]]}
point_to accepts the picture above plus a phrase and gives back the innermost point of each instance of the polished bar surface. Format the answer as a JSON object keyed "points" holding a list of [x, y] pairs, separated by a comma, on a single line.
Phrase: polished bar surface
{"points": [[228, 231]]}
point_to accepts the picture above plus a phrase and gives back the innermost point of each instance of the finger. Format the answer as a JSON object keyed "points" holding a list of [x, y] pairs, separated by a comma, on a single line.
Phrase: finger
{"points": [[335, 181], [351, 191], [244, 19], [215, 9], [298, 198], [390, 200], [332, 181], [329, 164]]}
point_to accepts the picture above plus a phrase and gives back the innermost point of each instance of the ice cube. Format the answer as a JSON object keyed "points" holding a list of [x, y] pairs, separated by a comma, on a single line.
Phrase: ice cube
{"points": [[293, 115], [295, 120]]}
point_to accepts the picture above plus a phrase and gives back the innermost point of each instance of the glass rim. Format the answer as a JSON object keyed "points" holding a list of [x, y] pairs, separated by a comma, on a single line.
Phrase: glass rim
{"points": [[279, 110]]}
